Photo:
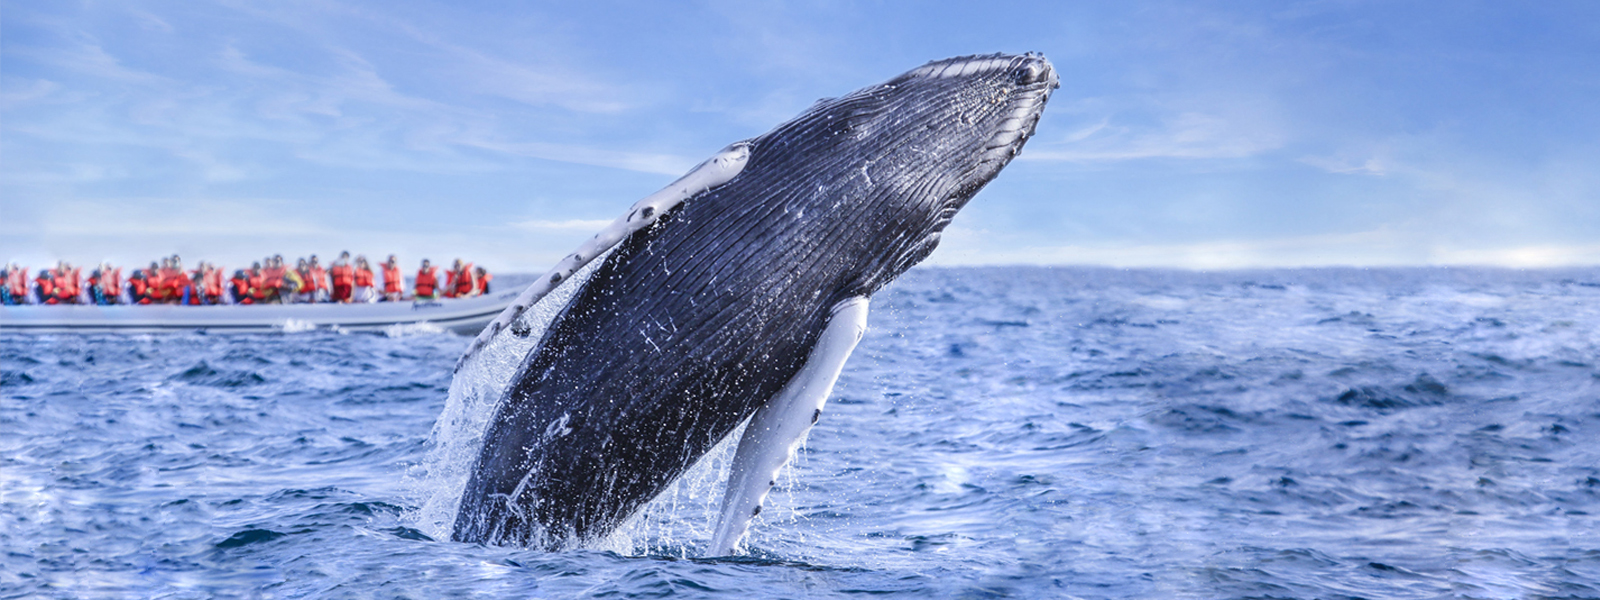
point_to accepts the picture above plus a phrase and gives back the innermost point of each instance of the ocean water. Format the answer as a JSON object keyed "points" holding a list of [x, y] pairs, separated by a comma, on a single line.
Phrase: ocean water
{"points": [[1000, 432]]}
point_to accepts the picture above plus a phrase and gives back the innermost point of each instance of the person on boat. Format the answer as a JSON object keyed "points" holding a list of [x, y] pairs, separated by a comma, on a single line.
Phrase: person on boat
{"points": [[197, 283], [105, 284], [110, 284], [156, 278], [66, 283], [459, 281], [15, 286], [393, 285], [343, 277], [361, 281], [272, 279], [483, 277], [305, 291], [208, 284], [138, 288], [258, 287], [239, 288], [44, 287], [319, 281], [427, 282], [292, 286], [180, 286]]}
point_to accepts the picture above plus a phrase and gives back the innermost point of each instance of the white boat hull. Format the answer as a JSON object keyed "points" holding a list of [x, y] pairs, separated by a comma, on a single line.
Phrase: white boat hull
{"points": [[465, 316]]}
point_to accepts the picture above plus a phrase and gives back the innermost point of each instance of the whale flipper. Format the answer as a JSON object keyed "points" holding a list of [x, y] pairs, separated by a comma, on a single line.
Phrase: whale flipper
{"points": [[781, 424]]}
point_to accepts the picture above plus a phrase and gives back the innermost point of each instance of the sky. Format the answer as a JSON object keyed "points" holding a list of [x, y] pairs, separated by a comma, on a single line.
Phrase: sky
{"points": [[1187, 134]]}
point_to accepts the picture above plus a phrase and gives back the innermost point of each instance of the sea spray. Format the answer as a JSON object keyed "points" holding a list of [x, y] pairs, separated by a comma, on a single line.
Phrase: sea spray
{"points": [[457, 435], [670, 524]]}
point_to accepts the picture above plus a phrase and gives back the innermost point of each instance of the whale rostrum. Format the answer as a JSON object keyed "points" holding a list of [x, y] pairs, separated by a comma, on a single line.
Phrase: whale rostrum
{"points": [[737, 293]]}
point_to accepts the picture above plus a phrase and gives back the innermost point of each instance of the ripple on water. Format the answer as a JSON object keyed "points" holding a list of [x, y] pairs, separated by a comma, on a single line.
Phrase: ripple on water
{"points": [[1000, 432]]}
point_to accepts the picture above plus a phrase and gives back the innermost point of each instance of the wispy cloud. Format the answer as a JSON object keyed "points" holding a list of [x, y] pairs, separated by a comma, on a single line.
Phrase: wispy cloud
{"points": [[665, 164], [1382, 247], [1182, 135], [569, 225], [1370, 165], [166, 217]]}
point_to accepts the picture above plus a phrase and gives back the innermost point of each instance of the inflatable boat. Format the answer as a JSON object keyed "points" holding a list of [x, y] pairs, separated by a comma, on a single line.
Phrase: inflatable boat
{"points": [[465, 316]]}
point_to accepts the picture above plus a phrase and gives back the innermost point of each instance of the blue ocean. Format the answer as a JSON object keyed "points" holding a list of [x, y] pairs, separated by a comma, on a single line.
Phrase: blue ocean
{"points": [[1001, 432]]}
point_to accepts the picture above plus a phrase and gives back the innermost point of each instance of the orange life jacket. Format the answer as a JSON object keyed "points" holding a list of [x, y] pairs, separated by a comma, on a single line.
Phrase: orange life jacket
{"points": [[241, 289], [139, 289], [319, 279], [177, 284], [47, 288], [483, 283], [342, 274], [272, 277], [111, 284], [461, 282], [198, 284], [156, 279], [18, 282], [391, 280], [362, 277], [426, 281], [257, 289], [66, 286], [214, 283]]}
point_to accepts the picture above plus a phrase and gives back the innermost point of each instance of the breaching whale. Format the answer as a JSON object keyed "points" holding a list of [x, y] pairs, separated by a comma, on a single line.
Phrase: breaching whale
{"points": [[736, 293]]}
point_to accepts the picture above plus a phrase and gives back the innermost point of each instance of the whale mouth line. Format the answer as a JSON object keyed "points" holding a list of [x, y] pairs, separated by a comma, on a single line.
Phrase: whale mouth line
{"points": [[1024, 108], [1033, 68]]}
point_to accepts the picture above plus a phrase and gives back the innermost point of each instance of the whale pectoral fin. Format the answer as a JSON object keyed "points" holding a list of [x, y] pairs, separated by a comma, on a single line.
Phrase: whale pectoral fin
{"points": [[778, 427]]}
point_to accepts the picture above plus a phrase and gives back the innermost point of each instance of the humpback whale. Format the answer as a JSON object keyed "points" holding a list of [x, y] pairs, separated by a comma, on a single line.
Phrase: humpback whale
{"points": [[736, 293]]}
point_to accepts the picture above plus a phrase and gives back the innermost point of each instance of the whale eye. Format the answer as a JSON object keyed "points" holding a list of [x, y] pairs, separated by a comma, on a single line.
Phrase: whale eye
{"points": [[1030, 72]]}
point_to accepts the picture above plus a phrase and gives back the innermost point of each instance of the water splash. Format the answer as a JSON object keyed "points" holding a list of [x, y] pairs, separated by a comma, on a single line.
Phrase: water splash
{"points": [[457, 435]]}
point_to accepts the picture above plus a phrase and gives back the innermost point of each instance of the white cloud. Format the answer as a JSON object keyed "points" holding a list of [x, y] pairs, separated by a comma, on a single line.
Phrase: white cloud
{"points": [[1382, 247], [164, 217], [1188, 135], [1349, 166], [665, 164], [579, 225]]}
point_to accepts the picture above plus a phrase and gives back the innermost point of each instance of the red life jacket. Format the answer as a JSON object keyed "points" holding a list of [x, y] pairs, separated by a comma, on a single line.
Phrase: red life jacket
{"points": [[483, 283], [257, 289], [214, 283], [111, 284], [461, 281], [319, 279], [362, 277], [18, 282], [47, 288], [66, 285], [241, 290], [177, 284], [139, 289], [391, 280], [197, 285], [272, 277], [342, 274], [156, 279], [426, 281]]}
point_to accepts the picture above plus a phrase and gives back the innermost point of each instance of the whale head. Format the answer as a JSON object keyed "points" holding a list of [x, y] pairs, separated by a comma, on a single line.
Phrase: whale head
{"points": [[915, 148]]}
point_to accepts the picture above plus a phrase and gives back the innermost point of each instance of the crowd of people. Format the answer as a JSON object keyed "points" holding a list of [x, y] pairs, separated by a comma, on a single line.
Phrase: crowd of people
{"points": [[270, 281]]}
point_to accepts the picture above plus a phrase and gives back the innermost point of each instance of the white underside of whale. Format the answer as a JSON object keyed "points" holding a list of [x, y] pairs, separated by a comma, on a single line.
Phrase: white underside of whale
{"points": [[777, 428]]}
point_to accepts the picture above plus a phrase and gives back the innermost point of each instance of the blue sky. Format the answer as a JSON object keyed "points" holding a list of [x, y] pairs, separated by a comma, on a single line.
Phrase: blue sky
{"points": [[1185, 134]]}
